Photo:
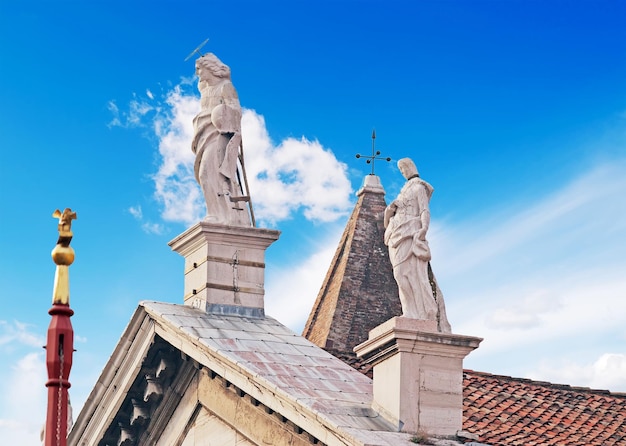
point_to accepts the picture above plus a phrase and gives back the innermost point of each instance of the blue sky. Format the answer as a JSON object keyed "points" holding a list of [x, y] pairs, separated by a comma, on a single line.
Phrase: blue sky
{"points": [[514, 111]]}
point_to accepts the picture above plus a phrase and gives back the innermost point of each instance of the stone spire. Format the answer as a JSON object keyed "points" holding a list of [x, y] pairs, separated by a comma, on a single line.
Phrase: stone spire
{"points": [[359, 291]]}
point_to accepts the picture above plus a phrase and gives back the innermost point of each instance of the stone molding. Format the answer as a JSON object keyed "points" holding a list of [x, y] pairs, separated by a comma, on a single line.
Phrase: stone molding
{"points": [[418, 375], [400, 334], [372, 185], [224, 265]]}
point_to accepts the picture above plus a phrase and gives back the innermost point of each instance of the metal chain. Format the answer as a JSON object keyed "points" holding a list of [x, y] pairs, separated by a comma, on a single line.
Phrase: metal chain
{"points": [[60, 404], [235, 264]]}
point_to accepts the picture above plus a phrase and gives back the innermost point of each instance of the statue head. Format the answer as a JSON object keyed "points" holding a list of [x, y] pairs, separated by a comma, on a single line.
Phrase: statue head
{"points": [[211, 70], [407, 167]]}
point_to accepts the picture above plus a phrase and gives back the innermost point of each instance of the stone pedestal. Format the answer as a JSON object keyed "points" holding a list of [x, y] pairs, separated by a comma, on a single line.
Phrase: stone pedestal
{"points": [[225, 267], [418, 374]]}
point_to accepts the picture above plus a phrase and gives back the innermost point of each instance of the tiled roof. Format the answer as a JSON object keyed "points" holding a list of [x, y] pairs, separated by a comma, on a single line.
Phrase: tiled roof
{"points": [[513, 411], [263, 357], [354, 362], [503, 410], [359, 291]]}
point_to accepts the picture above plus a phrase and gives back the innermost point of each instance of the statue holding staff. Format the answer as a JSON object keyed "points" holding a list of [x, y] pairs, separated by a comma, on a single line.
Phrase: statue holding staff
{"points": [[406, 221], [217, 145]]}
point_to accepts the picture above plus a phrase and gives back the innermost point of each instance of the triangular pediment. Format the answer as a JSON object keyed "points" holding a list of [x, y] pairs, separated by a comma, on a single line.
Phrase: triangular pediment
{"points": [[177, 368]]}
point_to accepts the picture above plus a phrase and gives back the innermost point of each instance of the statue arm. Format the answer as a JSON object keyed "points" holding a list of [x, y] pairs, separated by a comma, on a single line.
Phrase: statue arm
{"points": [[228, 167], [425, 219], [226, 119], [424, 216], [390, 211]]}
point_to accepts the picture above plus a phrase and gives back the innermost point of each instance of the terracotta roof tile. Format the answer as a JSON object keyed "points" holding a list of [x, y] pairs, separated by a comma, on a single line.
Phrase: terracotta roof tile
{"points": [[531, 412], [503, 410]]}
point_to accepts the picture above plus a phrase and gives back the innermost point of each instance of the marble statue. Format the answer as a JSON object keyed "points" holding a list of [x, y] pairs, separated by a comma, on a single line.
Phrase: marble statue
{"points": [[217, 144], [406, 222]]}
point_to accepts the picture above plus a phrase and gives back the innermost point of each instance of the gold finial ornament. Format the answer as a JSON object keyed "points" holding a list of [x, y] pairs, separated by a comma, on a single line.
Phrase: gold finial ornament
{"points": [[63, 256]]}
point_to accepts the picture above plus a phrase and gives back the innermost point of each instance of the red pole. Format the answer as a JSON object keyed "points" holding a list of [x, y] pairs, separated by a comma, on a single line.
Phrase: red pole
{"points": [[60, 343], [59, 350]]}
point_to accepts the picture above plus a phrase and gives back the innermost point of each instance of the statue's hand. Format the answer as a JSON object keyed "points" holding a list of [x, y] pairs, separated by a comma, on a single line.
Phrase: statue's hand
{"points": [[420, 247], [421, 234], [390, 211]]}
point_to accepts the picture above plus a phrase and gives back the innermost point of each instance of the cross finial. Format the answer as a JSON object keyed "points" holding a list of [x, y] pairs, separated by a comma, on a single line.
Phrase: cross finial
{"points": [[375, 153]]}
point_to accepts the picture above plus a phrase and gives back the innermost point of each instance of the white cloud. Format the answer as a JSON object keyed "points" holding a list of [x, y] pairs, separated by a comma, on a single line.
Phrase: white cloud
{"points": [[297, 175], [146, 226], [153, 228], [22, 407], [606, 372], [583, 209], [538, 282], [18, 332], [115, 111], [175, 185], [575, 309], [292, 289], [138, 108], [136, 212], [24, 395], [528, 312]]}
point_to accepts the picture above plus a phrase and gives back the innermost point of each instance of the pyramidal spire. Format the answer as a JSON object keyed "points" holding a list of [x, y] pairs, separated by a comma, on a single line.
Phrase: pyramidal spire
{"points": [[359, 291]]}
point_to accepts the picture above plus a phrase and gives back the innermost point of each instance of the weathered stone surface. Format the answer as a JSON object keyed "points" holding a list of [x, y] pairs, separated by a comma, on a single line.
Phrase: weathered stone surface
{"points": [[217, 144], [254, 422], [224, 267], [406, 222], [418, 375]]}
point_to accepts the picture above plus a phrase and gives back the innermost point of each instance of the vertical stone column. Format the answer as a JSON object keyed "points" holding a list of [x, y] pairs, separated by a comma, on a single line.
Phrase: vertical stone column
{"points": [[225, 267], [418, 374]]}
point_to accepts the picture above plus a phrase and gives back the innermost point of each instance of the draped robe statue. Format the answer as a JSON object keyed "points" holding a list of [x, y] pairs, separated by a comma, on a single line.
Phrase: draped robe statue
{"points": [[406, 222], [217, 144]]}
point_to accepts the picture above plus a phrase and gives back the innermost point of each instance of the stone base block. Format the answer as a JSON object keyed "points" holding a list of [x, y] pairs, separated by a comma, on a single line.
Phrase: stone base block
{"points": [[224, 266], [418, 374]]}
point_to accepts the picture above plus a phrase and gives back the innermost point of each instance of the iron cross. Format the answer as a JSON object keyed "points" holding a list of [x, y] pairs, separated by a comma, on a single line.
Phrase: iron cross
{"points": [[375, 153]]}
